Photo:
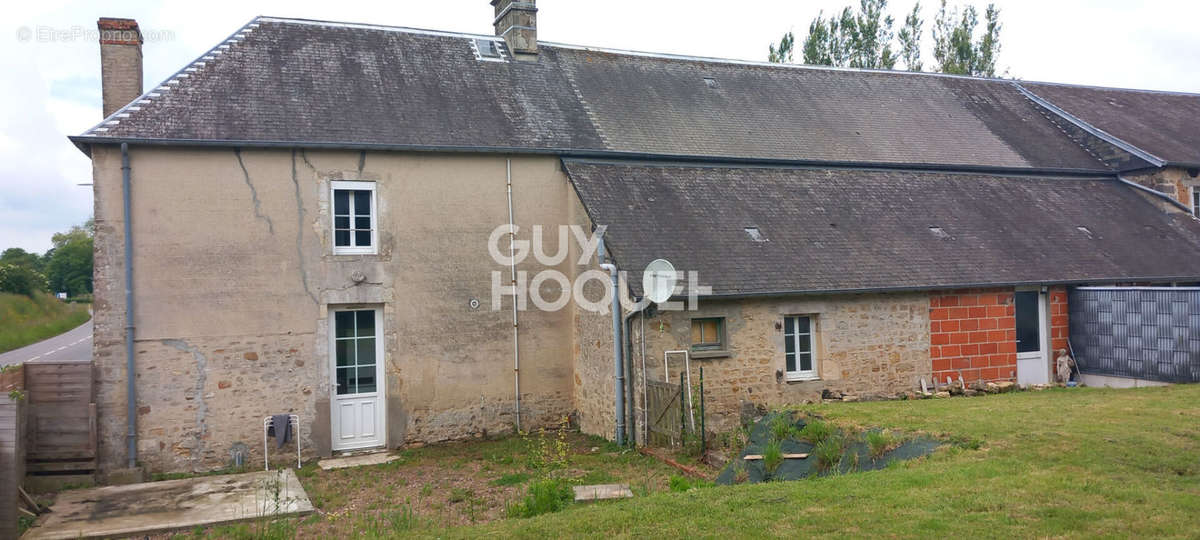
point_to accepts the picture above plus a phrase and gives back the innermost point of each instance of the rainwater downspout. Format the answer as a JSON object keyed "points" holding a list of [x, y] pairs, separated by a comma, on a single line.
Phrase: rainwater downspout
{"points": [[130, 375], [630, 382], [618, 344], [512, 261]]}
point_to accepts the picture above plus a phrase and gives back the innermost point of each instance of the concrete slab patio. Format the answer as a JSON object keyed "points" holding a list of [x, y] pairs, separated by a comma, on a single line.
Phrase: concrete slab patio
{"points": [[141, 509]]}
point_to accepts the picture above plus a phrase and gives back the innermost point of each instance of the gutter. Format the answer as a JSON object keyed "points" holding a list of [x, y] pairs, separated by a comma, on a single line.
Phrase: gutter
{"points": [[130, 373], [1155, 193], [945, 287], [84, 141]]}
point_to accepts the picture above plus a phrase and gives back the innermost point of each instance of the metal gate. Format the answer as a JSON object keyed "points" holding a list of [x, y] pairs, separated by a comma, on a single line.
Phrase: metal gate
{"points": [[1150, 333]]}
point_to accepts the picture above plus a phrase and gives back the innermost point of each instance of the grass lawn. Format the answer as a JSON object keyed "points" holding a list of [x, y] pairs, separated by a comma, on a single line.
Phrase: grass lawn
{"points": [[25, 320], [1069, 462]]}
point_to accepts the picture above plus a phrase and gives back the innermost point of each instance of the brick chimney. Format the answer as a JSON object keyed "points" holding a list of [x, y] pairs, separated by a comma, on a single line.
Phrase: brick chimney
{"points": [[120, 62], [516, 22]]}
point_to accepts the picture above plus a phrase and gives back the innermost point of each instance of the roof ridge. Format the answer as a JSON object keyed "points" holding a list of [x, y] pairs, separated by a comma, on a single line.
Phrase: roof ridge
{"points": [[696, 58]]}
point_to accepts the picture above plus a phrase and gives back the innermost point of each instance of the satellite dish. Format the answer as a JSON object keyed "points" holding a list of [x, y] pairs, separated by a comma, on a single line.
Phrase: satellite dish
{"points": [[658, 280]]}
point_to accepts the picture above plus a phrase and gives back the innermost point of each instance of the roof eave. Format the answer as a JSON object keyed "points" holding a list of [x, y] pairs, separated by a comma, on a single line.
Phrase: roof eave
{"points": [[589, 153], [946, 286]]}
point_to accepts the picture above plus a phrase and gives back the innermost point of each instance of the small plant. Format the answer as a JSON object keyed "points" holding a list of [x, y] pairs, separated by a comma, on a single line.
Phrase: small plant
{"points": [[782, 427], [680, 483], [816, 431], [880, 442], [550, 450], [511, 479], [772, 457], [829, 452], [427, 490], [458, 495], [542, 497]]}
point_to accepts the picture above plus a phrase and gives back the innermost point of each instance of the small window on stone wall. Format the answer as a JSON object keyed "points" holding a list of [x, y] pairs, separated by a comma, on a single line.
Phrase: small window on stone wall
{"points": [[708, 334], [799, 351], [1195, 201]]}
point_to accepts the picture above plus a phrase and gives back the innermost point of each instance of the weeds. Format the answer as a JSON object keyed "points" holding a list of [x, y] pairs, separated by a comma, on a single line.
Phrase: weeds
{"points": [[880, 442], [550, 450], [542, 497], [682, 483], [458, 495], [782, 427], [817, 431], [829, 451], [511, 479], [772, 457]]}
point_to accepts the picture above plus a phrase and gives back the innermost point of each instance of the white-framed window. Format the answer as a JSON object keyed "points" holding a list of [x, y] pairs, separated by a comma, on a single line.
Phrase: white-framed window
{"points": [[355, 218], [800, 354], [1195, 201]]}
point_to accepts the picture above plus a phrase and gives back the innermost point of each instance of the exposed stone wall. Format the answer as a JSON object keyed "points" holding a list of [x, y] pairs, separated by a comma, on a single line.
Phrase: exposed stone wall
{"points": [[594, 401], [1174, 181], [232, 258], [871, 344]]}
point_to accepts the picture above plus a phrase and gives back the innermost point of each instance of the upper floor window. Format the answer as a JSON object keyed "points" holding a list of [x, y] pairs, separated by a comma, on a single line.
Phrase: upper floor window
{"points": [[1195, 201], [355, 224], [708, 334], [799, 353]]}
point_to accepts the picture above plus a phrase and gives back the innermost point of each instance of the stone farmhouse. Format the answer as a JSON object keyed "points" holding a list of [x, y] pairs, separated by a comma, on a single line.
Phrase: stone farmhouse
{"points": [[300, 219]]}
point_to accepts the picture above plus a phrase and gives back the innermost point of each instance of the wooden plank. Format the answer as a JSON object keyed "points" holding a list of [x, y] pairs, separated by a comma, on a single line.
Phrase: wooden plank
{"points": [[756, 457], [61, 466]]}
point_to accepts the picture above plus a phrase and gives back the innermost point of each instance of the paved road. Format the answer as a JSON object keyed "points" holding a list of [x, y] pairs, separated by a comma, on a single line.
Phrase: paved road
{"points": [[75, 344]]}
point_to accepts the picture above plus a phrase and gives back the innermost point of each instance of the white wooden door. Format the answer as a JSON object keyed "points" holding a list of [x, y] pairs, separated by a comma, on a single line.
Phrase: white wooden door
{"points": [[356, 353], [1033, 354]]}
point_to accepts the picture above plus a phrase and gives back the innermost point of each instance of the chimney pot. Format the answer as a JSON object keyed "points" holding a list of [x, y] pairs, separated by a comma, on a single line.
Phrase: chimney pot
{"points": [[516, 22], [120, 62]]}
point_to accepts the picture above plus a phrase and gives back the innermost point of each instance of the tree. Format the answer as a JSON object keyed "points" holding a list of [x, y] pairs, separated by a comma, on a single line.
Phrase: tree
{"points": [[20, 257], [20, 280], [863, 38], [910, 39], [782, 55], [69, 262], [954, 47]]}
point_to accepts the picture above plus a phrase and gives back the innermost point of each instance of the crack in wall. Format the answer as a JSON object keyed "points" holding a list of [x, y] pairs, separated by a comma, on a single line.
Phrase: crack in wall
{"points": [[300, 228], [201, 405], [237, 152]]}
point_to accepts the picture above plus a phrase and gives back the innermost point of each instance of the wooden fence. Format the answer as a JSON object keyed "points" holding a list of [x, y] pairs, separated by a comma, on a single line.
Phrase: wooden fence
{"points": [[62, 417], [12, 462], [662, 400]]}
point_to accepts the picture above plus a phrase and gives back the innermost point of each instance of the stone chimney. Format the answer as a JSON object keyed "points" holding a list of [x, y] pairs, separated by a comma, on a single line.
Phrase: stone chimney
{"points": [[120, 62], [516, 22]]}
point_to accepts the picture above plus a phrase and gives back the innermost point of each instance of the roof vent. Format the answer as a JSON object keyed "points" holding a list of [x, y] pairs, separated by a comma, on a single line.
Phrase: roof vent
{"points": [[711, 82], [939, 233], [488, 50], [755, 234]]}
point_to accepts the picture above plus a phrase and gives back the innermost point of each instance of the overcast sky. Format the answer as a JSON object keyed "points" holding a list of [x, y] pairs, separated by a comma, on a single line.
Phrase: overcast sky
{"points": [[51, 87]]}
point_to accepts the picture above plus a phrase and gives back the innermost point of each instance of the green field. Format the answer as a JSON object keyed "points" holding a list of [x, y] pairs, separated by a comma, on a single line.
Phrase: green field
{"points": [[1067, 462], [25, 320]]}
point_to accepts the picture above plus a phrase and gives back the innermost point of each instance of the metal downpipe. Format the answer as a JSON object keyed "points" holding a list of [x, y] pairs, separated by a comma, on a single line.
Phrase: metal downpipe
{"points": [[618, 345], [130, 373], [512, 261]]}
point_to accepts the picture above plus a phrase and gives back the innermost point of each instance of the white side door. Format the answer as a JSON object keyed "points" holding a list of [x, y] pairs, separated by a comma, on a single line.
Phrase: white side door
{"points": [[1033, 351], [356, 372]]}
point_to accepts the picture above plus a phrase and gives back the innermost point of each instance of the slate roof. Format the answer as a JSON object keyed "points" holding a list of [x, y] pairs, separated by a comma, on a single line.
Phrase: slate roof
{"points": [[861, 229], [1163, 124], [309, 83]]}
